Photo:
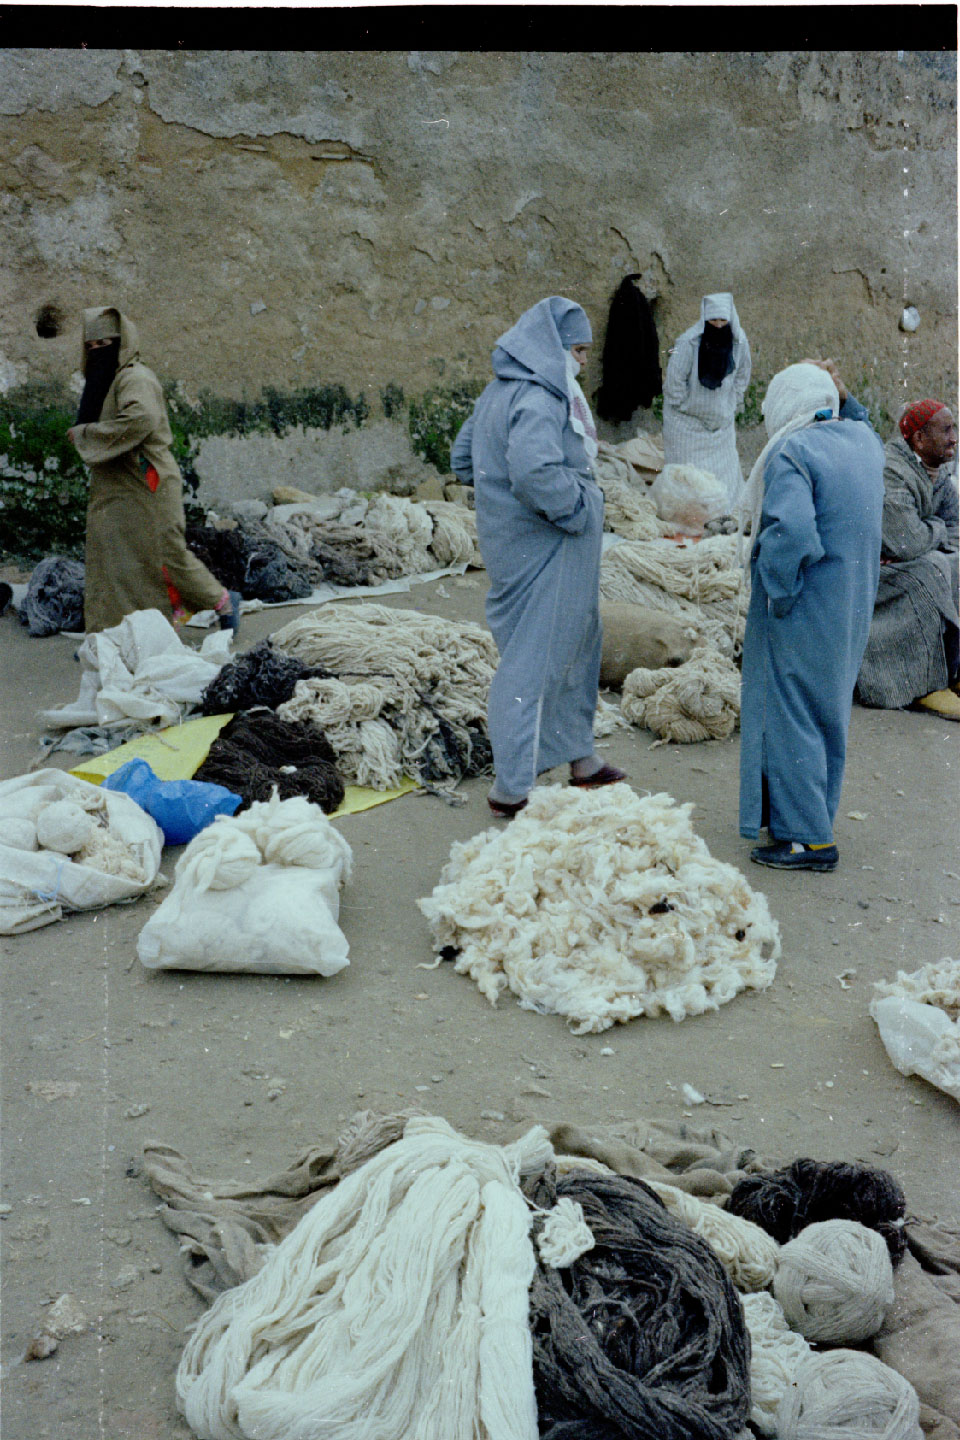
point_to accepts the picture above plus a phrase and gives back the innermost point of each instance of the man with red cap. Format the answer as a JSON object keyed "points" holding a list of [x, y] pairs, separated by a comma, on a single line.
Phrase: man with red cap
{"points": [[913, 653]]}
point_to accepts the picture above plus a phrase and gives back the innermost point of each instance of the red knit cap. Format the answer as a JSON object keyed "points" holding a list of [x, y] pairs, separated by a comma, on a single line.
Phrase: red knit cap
{"points": [[917, 416]]}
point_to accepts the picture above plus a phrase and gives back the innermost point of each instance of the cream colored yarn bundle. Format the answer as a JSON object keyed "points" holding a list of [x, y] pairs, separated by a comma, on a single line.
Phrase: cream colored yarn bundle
{"points": [[747, 1253], [835, 1282], [847, 1393], [396, 1309], [602, 905], [628, 510], [700, 582], [698, 700], [776, 1354]]}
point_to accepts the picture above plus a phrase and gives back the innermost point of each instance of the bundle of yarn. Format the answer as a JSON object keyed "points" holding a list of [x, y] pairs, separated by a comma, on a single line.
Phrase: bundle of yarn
{"points": [[700, 581], [834, 1282], [262, 675], [747, 1253], [628, 509], [643, 1333], [258, 752], [848, 1393], [783, 1202], [698, 700], [79, 827], [244, 558], [54, 598], [397, 1307], [776, 1354], [601, 905], [410, 692]]}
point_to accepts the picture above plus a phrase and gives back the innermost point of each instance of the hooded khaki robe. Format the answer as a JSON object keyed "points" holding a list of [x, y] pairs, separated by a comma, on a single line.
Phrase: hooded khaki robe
{"points": [[135, 519], [539, 527]]}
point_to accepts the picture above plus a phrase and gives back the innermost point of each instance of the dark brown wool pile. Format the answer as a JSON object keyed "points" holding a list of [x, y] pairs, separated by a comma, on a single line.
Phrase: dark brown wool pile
{"points": [[260, 676], [257, 751], [783, 1202], [254, 566], [643, 1336]]}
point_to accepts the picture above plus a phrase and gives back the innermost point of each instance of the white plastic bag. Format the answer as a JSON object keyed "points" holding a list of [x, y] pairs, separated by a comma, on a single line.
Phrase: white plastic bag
{"points": [[920, 1040], [37, 886], [258, 891], [687, 497]]}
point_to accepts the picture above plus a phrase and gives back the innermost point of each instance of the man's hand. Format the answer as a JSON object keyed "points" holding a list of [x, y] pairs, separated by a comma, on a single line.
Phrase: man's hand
{"points": [[832, 370]]}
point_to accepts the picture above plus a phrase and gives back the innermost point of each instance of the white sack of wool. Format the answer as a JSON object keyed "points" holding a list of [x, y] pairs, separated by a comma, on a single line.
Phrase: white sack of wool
{"points": [[918, 1016], [258, 891], [687, 498], [91, 847], [602, 905], [396, 1308], [698, 700]]}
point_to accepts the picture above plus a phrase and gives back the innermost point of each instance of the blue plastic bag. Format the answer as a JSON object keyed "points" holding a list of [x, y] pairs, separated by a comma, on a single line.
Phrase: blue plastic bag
{"points": [[182, 808]]}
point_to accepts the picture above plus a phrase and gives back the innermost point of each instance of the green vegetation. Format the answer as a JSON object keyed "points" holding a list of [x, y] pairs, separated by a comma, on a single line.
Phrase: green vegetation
{"points": [[435, 420], [750, 413], [43, 483]]}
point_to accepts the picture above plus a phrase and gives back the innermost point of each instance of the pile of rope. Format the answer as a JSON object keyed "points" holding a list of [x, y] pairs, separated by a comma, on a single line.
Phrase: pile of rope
{"points": [[643, 1334], [601, 905], [783, 1202], [260, 676], [701, 582], [698, 700], [243, 558], [258, 751], [408, 693]]}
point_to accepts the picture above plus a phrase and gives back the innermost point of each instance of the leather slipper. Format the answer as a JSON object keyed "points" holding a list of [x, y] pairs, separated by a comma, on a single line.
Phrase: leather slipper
{"points": [[606, 775]]}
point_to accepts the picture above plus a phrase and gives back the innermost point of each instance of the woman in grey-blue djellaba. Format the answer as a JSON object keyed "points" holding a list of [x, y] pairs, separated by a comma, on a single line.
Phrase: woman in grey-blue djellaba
{"points": [[816, 496], [527, 451]]}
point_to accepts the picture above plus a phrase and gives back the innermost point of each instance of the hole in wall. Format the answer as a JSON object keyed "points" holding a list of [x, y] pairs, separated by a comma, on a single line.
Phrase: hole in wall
{"points": [[49, 321]]}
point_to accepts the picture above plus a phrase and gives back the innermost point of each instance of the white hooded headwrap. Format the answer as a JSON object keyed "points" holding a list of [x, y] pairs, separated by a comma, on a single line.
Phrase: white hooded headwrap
{"points": [[794, 399]]}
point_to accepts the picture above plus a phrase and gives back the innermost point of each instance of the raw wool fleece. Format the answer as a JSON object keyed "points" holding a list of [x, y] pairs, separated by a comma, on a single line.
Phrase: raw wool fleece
{"points": [[397, 1307], [411, 693], [701, 582], [918, 1016], [602, 905], [698, 700], [686, 498]]}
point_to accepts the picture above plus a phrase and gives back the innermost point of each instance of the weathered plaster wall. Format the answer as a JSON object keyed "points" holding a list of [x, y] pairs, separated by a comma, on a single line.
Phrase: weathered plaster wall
{"points": [[365, 218]]}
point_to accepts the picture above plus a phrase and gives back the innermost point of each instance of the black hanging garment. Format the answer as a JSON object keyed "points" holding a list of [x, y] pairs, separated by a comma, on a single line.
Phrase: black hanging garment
{"points": [[631, 355]]}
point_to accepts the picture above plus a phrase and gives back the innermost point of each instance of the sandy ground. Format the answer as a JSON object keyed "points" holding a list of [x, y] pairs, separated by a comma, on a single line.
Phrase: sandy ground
{"points": [[241, 1073]]}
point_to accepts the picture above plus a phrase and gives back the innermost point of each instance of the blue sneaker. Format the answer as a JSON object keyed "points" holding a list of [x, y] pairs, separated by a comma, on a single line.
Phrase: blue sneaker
{"points": [[792, 855]]}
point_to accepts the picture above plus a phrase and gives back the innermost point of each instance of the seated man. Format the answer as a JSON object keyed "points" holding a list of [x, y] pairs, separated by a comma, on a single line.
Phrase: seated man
{"points": [[912, 654]]}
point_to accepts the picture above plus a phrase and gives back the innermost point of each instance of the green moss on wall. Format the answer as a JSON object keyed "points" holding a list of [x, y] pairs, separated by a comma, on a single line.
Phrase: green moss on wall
{"points": [[435, 420]]}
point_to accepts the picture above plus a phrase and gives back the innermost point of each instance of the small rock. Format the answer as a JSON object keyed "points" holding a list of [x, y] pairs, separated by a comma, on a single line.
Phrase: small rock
{"points": [[608, 1050], [856, 815], [40, 1347], [257, 308], [155, 1267], [492, 1115], [5, 1209], [910, 319], [134, 1112], [65, 1317], [51, 1090], [421, 1088], [126, 1276], [117, 1235], [863, 904]]}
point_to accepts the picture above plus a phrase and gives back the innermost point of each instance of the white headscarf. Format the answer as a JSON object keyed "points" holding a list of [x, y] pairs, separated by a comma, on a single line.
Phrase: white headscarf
{"points": [[720, 307], [794, 398], [580, 417]]}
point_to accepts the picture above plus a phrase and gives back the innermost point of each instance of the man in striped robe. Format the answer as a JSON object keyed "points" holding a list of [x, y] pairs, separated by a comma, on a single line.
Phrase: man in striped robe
{"points": [[912, 655]]}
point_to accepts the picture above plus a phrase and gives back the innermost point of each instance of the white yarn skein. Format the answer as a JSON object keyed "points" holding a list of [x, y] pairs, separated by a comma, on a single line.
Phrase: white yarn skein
{"points": [[747, 1253], [219, 858], [776, 1354], [565, 1235], [848, 1393], [294, 832], [64, 826], [835, 1282]]}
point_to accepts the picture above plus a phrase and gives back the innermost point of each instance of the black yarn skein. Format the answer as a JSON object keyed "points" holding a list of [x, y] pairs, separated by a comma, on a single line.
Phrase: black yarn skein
{"points": [[643, 1335], [783, 1202], [260, 676], [257, 751]]}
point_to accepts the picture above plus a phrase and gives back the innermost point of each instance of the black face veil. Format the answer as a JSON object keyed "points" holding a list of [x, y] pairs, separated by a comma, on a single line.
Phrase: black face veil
{"points": [[100, 370], [715, 357]]}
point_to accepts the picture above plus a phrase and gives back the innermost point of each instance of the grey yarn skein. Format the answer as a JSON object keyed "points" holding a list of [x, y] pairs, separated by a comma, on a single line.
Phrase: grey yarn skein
{"points": [[847, 1393], [835, 1282]]}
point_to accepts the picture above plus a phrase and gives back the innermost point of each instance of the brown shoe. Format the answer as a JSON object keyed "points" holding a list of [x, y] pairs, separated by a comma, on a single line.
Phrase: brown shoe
{"points": [[606, 775]]}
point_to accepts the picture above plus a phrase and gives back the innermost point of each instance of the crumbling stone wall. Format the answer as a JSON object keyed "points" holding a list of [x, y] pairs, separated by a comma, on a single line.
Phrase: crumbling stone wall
{"points": [[375, 219]]}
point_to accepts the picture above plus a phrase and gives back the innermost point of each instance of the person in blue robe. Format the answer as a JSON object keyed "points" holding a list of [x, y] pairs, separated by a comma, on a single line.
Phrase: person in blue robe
{"points": [[526, 450], [817, 496]]}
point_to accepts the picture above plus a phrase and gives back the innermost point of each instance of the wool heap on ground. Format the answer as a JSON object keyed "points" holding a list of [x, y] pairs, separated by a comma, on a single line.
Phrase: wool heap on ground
{"points": [[407, 693], [701, 582], [602, 905]]}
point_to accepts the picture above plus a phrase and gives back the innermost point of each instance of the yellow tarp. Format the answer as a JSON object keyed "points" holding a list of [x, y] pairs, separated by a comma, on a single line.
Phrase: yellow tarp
{"points": [[178, 752]]}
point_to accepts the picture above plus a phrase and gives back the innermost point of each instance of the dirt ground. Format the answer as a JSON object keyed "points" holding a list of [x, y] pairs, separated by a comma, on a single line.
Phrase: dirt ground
{"points": [[241, 1073]]}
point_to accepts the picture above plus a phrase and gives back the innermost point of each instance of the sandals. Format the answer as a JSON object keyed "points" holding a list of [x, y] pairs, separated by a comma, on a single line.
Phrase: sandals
{"points": [[506, 809], [606, 775]]}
